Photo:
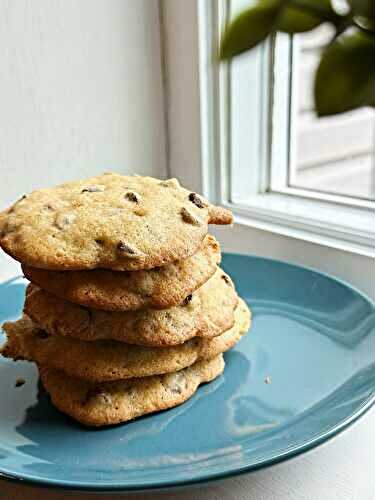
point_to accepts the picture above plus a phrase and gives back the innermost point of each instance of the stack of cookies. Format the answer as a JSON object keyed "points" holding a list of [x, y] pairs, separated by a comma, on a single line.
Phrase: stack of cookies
{"points": [[127, 311]]}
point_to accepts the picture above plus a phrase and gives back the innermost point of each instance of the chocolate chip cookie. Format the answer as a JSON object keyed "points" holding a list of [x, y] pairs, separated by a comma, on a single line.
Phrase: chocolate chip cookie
{"points": [[109, 221], [107, 360], [208, 312], [158, 288], [109, 403]]}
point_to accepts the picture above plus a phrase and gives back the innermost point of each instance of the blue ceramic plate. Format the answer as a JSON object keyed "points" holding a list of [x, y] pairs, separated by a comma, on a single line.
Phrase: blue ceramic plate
{"points": [[312, 336]]}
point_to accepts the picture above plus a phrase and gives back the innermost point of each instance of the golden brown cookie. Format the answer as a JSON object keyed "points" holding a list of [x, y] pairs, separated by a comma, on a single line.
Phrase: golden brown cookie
{"points": [[107, 360], [209, 348], [109, 221], [157, 288], [123, 400], [208, 312]]}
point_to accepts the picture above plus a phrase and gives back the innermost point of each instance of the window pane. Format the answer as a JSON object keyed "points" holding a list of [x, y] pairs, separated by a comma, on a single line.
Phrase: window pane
{"points": [[334, 154]]}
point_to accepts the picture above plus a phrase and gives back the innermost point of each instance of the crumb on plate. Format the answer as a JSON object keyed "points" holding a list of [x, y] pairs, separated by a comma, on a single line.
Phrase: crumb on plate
{"points": [[19, 382]]}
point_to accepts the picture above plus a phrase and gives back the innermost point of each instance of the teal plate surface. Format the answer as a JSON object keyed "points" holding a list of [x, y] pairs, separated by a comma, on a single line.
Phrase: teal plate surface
{"points": [[313, 338]]}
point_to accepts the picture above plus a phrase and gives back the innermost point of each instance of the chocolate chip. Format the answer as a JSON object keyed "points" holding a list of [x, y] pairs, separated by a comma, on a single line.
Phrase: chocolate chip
{"points": [[41, 334], [89, 313], [123, 247], [188, 299], [92, 392], [189, 217], [99, 395], [127, 250], [20, 199], [131, 391], [93, 189], [194, 198], [49, 206], [100, 242], [104, 398], [11, 209], [226, 279], [178, 383], [19, 382], [176, 389], [133, 196]]}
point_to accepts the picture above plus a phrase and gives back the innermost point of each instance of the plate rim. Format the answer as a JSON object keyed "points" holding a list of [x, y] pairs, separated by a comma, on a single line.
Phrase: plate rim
{"points": [[207, 478]]}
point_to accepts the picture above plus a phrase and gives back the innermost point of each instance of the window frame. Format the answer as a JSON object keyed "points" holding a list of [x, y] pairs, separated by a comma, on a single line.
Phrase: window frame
{"points": [[260, 197], [193, 128]]}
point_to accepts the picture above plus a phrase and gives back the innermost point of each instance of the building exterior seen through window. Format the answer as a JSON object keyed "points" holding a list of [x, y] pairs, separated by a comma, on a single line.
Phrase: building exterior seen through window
{"points": [[335, 154]]}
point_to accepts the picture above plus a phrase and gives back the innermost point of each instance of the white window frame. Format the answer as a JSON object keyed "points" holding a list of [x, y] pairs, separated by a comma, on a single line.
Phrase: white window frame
{"points": [[197, 109], [261, 196]]}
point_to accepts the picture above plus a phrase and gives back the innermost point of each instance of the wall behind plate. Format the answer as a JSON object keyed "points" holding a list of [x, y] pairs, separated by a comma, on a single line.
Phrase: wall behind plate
{"points": [[80, 91]]}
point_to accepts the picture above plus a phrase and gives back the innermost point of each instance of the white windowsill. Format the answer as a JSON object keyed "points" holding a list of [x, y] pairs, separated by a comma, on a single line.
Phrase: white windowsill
{"points": [[345, 228]]}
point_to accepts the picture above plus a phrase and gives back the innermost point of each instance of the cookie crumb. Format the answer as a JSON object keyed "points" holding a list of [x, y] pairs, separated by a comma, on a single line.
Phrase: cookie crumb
{"points": [[268, 380], [19, 382]]}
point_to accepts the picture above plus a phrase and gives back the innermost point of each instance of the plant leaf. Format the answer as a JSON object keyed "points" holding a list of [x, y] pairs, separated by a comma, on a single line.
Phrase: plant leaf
{"points": [[323, 6], [249, 28], [345, 78], [366, 22], [364, 8], [305, 15], [295, 20]]}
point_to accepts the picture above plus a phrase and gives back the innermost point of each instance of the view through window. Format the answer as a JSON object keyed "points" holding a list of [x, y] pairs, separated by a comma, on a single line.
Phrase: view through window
{"points": [[335, 154]]}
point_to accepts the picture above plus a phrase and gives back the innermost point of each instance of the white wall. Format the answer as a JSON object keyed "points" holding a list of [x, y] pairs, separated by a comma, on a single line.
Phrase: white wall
{"points": [[80, 91], [183, 100]]}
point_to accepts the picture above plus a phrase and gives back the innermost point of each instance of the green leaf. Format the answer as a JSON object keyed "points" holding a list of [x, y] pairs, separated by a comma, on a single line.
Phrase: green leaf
{"points": [[367, 23], [295, 20], [249, 28], [364, 8], [345, 78], [304, 15]]}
